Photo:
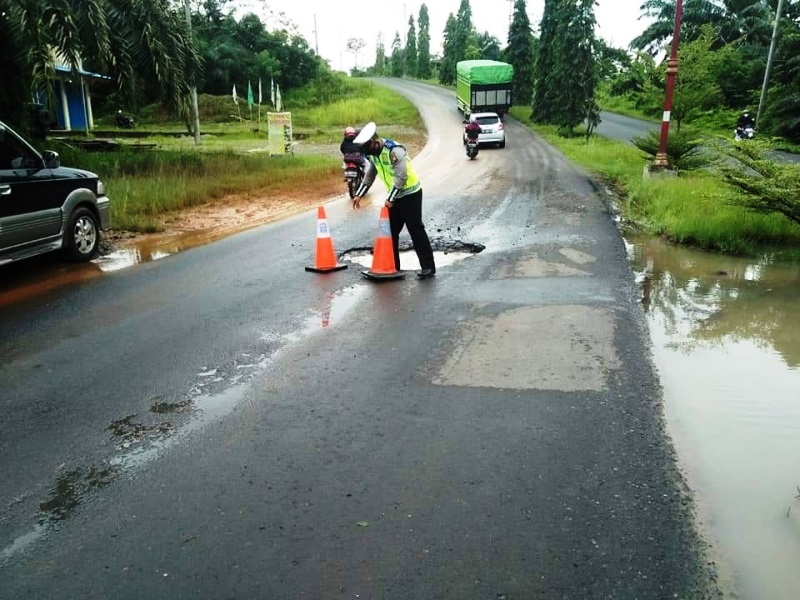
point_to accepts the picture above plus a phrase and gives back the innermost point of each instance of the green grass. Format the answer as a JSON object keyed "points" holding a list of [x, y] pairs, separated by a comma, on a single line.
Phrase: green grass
{"points": [[146, 184], [696, 209], [327, 105], [139, 200], [375, 103]]}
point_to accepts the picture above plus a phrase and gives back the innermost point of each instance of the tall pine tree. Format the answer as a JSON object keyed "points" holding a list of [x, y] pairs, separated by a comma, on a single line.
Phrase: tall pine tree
{"points": [[464, 33], [411, 49], [380, 57], [447, 68], [520, 53], [397, 56], [565, 76], [545, 88], [424, 44]]}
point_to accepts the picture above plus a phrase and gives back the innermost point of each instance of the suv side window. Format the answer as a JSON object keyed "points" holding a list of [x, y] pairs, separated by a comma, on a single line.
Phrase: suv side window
{"points": [[14, 154]]}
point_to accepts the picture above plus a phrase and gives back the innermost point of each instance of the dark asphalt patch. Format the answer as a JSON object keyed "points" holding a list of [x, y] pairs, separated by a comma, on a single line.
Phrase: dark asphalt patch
{"points": [[71, 486]]}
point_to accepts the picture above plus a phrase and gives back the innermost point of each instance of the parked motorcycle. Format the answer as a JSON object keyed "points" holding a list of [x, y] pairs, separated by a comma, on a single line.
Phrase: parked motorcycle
{"points": [[472, 148], [744, 133], [353, 175], [124, 121]]}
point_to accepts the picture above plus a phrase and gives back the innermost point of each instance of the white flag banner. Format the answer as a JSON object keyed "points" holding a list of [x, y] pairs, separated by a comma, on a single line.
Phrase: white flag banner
{"points": [[235, 98], [272, 85], [278, 102], [259, 90]]}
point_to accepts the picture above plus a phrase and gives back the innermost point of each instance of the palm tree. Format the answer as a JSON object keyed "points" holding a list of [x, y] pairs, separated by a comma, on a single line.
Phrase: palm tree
{"points": [[142, 44], [744, 21], [696, 13]]}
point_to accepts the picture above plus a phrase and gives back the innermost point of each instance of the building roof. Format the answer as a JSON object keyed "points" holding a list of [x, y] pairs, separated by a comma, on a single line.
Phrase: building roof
{"points": [[81, 72]]}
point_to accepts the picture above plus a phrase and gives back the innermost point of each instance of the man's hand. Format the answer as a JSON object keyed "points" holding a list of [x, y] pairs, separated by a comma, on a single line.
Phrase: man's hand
{"points": [[388, 204], [356, 202]]}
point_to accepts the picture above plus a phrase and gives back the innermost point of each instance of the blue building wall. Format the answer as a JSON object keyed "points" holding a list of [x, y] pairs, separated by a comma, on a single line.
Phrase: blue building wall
{"points": [[75, 104]]}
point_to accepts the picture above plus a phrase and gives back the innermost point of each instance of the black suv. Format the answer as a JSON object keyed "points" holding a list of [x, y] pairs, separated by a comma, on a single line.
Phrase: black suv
{"points": [[44, 206]]}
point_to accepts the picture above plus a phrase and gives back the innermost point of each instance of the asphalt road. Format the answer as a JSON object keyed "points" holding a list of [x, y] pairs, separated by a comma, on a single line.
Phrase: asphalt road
{"points": [[221, 424], [623, 129]]}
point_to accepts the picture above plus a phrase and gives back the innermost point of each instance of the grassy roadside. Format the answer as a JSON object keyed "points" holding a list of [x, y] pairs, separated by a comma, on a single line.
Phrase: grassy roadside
{"points": [[146, 185], [696, 209]]}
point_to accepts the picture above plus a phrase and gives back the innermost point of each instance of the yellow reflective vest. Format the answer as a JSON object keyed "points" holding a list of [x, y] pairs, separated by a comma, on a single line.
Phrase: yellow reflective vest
{"points": [[386, 170]]}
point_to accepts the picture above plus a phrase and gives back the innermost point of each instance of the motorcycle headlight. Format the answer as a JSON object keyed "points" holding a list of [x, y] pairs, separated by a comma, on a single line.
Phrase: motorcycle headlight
{"points": [[101, 188]]}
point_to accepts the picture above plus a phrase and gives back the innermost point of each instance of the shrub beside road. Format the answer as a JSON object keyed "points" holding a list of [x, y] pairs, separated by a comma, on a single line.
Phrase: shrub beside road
{"points": [[697, 208]]}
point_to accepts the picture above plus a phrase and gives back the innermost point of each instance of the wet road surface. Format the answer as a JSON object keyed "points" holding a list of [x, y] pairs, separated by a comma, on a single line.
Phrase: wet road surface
{"points": [[221, 424]]}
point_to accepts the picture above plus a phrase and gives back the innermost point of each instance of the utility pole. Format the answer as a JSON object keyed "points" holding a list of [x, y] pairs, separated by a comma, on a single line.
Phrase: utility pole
{"points": [[195, 108], [316, 38], [672, 71], [772, 45], [405, 25]]}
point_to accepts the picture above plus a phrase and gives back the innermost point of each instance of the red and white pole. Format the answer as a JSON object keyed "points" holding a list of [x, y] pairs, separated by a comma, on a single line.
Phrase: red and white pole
{"points": [[672, 72]]}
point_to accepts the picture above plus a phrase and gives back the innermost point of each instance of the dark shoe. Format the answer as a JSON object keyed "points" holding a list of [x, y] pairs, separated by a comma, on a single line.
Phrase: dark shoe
{"points": [[426, 273]]}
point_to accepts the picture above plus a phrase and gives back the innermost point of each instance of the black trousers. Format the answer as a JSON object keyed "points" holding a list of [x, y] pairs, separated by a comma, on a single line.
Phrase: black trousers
{"points": [[407, 211]]}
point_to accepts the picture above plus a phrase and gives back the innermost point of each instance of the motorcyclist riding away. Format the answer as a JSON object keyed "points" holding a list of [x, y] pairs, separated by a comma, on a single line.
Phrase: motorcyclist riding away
{"points": [[351, 151], [746, 121], [473, 129]]}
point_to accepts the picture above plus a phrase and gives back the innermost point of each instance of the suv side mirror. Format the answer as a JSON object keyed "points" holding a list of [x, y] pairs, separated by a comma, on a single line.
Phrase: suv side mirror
{"points": [[51, 159]]}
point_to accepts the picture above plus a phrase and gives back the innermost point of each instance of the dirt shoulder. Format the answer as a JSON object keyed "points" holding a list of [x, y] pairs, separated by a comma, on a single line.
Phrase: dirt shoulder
{"points": [[237, 212]]}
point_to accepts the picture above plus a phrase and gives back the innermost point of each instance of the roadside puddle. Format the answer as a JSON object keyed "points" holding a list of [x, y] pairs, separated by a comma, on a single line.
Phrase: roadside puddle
{"points": [[726, 345], [157, 246]]}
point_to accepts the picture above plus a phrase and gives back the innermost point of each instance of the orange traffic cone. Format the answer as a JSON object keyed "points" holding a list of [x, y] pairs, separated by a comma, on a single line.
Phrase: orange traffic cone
{"points": [[325, 260], [383, 253]]}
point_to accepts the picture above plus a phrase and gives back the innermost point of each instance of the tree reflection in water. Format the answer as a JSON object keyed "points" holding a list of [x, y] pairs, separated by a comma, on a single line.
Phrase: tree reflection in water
{"points": [[718, 299]]}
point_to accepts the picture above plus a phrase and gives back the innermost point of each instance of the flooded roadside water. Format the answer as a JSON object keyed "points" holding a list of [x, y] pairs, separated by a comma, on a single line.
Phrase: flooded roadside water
{"points": [[726, 343]]}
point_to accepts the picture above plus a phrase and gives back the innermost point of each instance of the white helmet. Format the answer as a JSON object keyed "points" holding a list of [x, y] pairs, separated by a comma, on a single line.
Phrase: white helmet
{"points": [[366, 134]]}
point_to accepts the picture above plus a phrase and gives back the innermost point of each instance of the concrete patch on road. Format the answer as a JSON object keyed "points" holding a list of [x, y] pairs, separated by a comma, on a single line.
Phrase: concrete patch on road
{"points": [[566, 348], [536, 266], [576, 256]]}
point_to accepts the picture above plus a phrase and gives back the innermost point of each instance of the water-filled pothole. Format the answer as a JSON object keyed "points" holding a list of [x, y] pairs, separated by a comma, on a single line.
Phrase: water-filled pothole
{"points": [[445, 252]]}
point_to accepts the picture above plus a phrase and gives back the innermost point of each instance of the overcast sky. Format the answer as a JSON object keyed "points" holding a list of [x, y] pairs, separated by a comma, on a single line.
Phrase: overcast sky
{"points": [[336, 22]]}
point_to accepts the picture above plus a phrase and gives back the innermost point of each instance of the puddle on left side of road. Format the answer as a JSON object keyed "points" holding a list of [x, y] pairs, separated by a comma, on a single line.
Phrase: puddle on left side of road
{"points": [[726, 340], [157, 246]]}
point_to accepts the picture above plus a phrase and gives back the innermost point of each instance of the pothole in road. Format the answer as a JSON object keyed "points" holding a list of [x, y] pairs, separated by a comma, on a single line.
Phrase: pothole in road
{"points": [[445, 252]]}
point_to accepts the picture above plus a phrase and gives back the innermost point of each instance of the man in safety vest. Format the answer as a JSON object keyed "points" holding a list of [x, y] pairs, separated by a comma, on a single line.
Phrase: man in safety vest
{"points": [[389, 161]]}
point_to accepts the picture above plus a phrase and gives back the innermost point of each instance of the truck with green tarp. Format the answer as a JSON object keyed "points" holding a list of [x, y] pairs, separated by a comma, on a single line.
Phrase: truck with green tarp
{"points": [[483, 86]]}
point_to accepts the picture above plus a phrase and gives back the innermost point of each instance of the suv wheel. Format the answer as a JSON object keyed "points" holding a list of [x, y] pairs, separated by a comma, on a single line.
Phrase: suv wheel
{"points": [[82, 235]]}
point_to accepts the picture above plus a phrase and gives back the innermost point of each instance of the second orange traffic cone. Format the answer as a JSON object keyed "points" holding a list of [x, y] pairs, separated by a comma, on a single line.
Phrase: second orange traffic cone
{"points": [[383, 253], [325, 260]]}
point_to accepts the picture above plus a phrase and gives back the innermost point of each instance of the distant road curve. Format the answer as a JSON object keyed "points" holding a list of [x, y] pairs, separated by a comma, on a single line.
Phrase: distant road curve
{"points": [[623, 129]]}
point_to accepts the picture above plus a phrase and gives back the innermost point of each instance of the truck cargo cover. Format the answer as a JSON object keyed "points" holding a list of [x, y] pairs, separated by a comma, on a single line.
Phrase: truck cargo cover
{"points": [[483, 72]]}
